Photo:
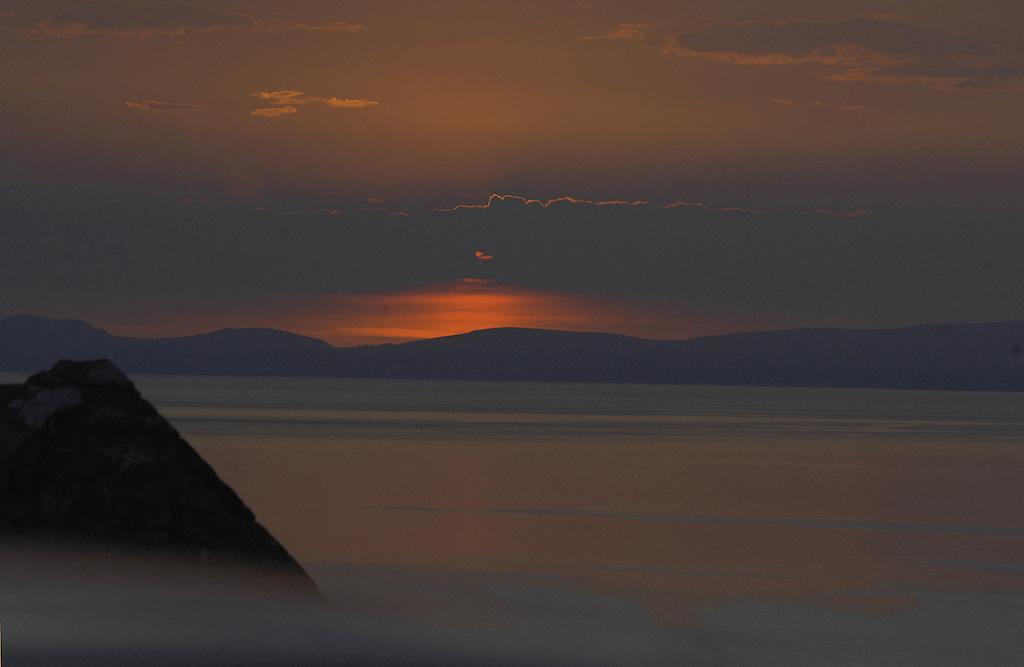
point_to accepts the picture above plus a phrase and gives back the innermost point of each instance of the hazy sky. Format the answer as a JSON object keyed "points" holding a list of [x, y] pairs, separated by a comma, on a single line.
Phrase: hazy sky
{"points": [[169, 168]]}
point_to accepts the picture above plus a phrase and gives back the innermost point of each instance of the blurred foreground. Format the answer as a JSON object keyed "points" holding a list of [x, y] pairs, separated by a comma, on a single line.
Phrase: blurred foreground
{"points": [[100, 609]]}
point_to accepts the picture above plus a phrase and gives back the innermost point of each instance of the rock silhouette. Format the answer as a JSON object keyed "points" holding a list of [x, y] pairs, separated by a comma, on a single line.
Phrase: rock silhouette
{"points": [[85, 460]]}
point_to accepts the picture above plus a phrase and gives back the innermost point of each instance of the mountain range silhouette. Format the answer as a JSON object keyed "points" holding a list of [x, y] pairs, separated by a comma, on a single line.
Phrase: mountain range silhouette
{"points": [[939, 356]]}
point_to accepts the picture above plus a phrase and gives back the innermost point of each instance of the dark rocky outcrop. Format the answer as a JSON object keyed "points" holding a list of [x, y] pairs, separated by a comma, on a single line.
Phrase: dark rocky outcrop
{"points": [[84, 459]]}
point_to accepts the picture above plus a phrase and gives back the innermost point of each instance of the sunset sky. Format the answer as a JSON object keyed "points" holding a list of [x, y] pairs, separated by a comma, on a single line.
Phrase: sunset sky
{"points": [[372, 171]]}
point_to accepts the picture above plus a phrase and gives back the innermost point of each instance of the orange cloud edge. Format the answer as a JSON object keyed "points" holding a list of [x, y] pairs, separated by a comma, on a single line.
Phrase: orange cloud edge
{"points": [[497, 199]]}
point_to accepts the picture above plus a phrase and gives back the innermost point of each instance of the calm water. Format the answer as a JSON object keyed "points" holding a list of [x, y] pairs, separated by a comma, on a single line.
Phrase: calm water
{"points": [[732, 525]]}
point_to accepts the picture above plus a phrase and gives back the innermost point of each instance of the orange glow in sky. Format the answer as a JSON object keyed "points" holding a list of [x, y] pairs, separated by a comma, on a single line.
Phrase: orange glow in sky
{"points": [[475, 303], [447, 309], [444, 310]]}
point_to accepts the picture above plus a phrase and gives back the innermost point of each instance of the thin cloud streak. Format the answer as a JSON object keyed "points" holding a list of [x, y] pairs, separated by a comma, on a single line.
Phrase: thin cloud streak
{"points": [[290, 99], [273, 112], [330, 211], [349, 103], [856, 50], [498, 199], [279, 25], [624, 31], [157, 105], [282, 96], [163, 20]]}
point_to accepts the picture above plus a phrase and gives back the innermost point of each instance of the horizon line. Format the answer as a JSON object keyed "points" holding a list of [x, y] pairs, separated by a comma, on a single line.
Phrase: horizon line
{"points": [[4, 318]]}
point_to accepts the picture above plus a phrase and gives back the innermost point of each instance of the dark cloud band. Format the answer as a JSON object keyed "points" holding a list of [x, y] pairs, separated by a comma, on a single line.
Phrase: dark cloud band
{"points": [[167, 19], [862, 50]]}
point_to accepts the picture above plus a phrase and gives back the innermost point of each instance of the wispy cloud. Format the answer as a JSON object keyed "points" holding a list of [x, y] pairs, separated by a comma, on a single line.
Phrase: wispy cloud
{"points": [[819, 106], [157, 105], [290, 99], [512, 201], [282, 96], [496, 200], [349, 103], [279, 25], [863, 50], [146, 21], [273, 112], [625, 31]]}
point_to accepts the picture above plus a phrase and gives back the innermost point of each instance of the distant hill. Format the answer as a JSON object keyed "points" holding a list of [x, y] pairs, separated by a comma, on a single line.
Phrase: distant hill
{"points": [[29, 343], [942, 356]]}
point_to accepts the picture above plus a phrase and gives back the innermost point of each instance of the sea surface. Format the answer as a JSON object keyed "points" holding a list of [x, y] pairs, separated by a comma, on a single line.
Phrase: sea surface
{"points": [[643, 524]]}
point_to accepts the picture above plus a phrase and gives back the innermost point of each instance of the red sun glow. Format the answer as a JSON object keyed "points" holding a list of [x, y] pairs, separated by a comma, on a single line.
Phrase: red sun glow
{"points": [[475, 303], [448, 309]]}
